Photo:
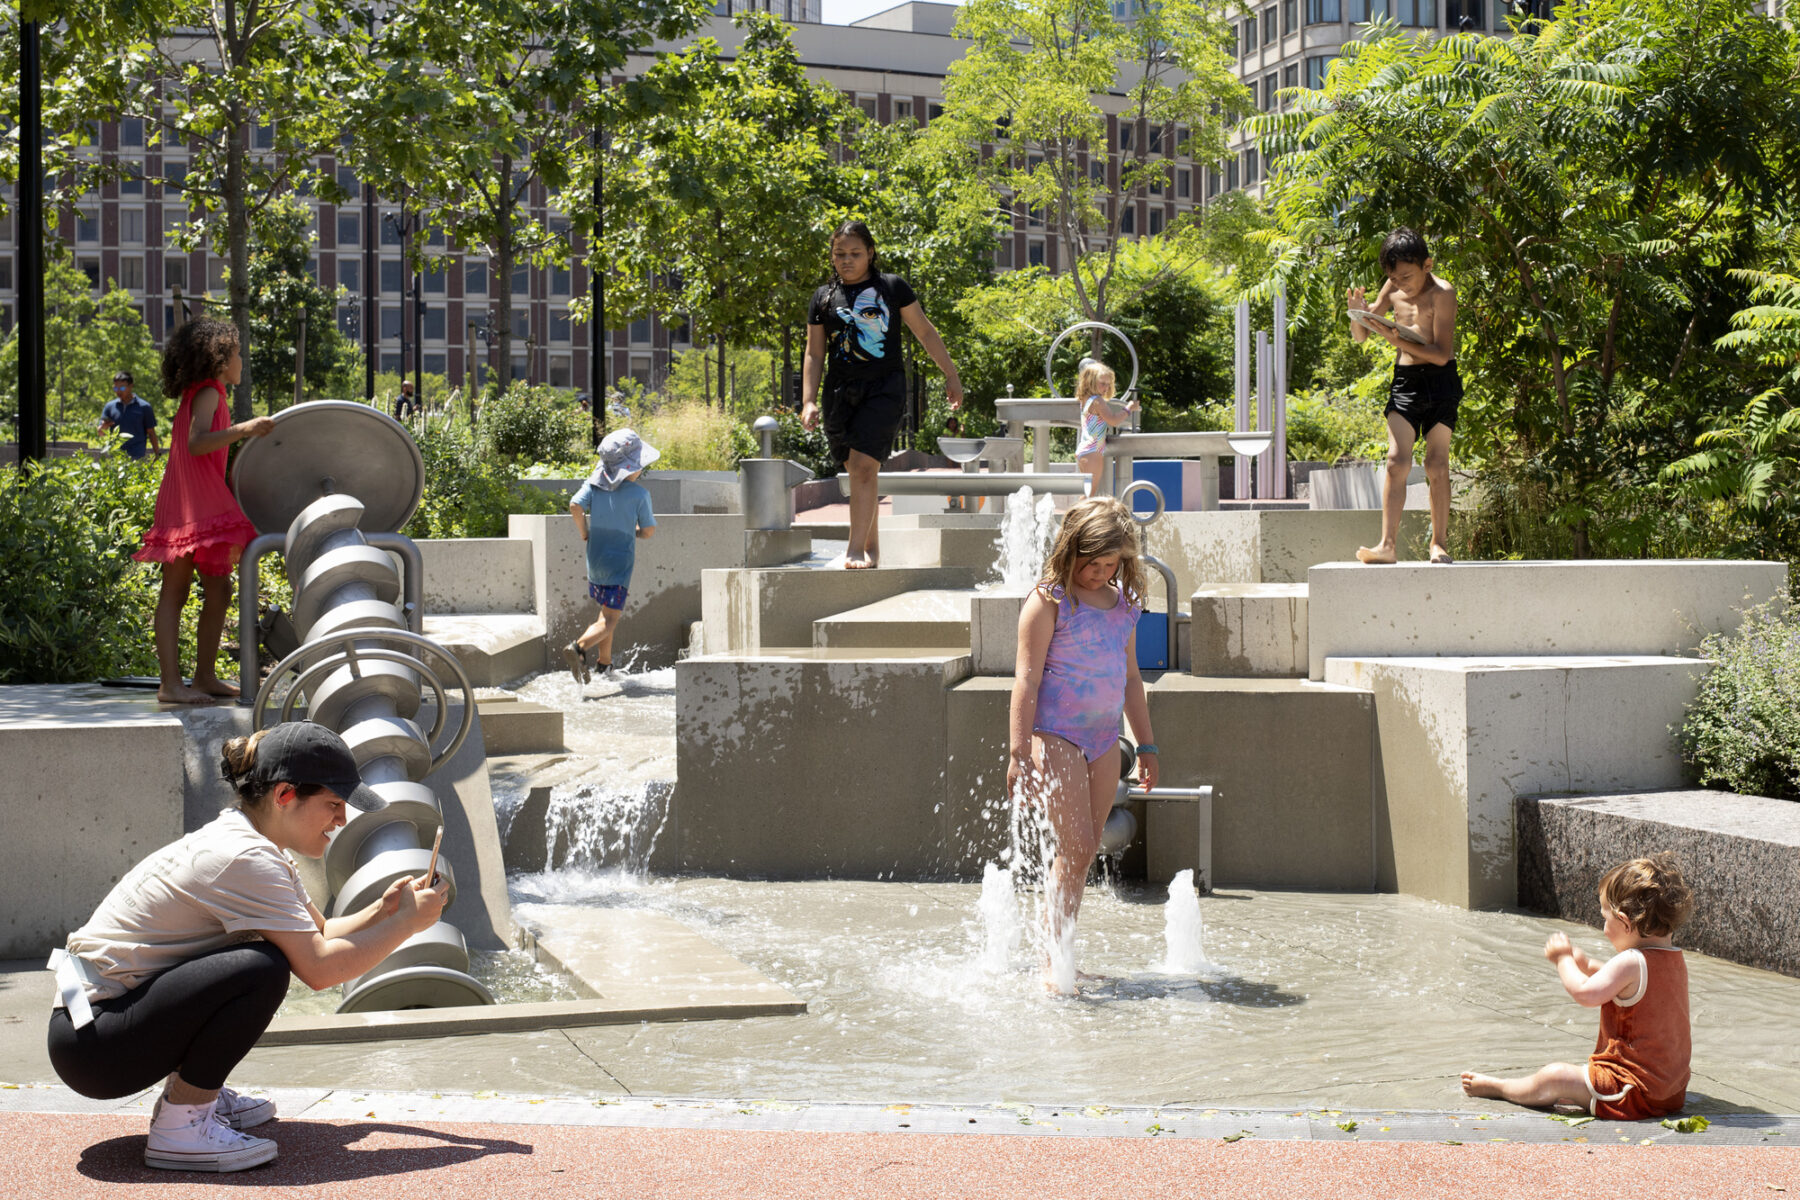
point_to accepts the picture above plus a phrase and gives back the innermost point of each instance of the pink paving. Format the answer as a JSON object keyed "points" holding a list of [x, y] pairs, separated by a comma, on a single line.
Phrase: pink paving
{"points": [[70, 1157]]}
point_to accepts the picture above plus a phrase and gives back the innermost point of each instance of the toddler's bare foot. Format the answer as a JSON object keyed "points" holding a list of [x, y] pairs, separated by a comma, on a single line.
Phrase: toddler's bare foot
{"points": [[1376, 554], [181, 693], [1485, 1087], [1440, 555], [214, 686]]}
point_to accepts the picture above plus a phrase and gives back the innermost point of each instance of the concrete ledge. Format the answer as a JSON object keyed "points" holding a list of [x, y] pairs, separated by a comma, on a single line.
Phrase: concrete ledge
{"points": [[1741, 855], [477, 575], [1262, 546], [776, 547], [1460, 739], [750, 610], [513, 726], [1249, 629], [942, 546], [932, 617], [494, 648], [1630, 607]]}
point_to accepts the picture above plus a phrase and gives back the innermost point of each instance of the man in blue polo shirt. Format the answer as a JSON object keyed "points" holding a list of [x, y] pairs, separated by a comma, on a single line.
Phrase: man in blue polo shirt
{"points": [[132, 416]]}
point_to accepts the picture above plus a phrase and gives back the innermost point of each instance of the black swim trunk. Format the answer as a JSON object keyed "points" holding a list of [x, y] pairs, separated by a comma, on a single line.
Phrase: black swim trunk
{"points": [[1425, 394], [864, 414]]}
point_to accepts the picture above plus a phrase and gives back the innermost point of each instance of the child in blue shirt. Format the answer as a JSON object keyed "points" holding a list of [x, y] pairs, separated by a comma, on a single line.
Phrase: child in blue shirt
{"points": [[612, 510]]}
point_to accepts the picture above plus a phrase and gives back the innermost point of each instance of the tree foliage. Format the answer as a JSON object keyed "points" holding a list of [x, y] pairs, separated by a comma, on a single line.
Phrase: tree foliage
{"points": [[284, 297]]}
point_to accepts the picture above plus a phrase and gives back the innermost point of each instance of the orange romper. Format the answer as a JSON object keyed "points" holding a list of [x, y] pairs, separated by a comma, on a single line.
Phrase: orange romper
{"points": [[1639, 1067]]}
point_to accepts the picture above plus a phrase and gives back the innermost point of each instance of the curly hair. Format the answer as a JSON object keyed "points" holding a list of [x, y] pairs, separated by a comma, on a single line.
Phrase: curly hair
{"points": [[1097, 526], [1649, 893], [196, 352]]}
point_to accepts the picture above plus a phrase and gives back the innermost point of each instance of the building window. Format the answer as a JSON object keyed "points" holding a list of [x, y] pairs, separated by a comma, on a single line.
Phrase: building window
{"points": [[1184, 183], [87, 227], [474, 279], [434, 323], [436, 283], [346, 179], [393, 275], [5, 274], [175, 273], [867, 105], [1126, 129], [903, 110], [1290, 75], [559, 281], [560, 371], [349, 228], [91, 268], [1156, 220], [131, 272], [1289, 10], [1128, 219], [263, 138], [348, 324], [1034, 252], [559, 328], [1462, 14], [1156, 139], [640, 369], [1317, 66], [1231, 174], [1406, 12], [131, 226], [1003, 253], [390, 229], [1270, 33], [1271, 85], [434, 364], [392, 363], [1323, 12], [131, 179], [1250, 165], [131, 131], [390, 321], [521, 323], [349, 273], [1247, 36], [640, 331], [933, 110], [521, 281]]}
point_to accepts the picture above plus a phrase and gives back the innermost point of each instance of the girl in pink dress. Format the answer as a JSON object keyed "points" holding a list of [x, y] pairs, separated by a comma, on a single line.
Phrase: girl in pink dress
{"points": [[1077, 674], [198, 526]]}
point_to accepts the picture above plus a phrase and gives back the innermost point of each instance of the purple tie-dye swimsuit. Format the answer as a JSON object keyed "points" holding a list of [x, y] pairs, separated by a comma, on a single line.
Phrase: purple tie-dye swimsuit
{"points": [[1082, 695]]}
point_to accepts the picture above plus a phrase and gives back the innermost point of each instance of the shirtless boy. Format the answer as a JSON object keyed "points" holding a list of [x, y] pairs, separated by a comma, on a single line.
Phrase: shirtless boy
{"points": [[1427, 388]]}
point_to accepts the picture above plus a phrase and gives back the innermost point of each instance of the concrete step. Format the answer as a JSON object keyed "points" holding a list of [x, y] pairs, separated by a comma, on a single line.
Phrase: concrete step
{"points": [[940, 546], [494, 648], [509, 726], [1738, 853], [1254, 630], [1637, 607], [929, 617], [1460, 739], [749, 610]]}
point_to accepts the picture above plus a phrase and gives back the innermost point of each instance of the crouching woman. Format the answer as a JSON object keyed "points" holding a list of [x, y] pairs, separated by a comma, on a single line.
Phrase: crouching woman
{"points": [[181, 968]]}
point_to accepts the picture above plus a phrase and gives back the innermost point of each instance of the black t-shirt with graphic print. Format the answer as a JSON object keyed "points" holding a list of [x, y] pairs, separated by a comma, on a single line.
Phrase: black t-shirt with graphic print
{"points": [[862, 325]]}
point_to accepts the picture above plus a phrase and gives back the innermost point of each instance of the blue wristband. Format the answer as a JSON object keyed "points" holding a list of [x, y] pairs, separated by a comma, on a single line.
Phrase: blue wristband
{"points": [[1147, 748]]}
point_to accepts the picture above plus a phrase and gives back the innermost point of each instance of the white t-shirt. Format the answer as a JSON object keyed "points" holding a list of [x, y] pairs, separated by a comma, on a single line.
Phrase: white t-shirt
{"points": [[219, 885]]}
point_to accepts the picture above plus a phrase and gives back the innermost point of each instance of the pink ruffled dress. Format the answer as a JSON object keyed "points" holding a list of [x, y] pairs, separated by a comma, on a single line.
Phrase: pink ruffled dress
{"points": [[196, 514]]}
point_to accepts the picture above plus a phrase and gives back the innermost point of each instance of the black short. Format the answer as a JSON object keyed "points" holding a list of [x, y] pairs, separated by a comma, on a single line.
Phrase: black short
{"points": [[1425, 394], [864, 414]]}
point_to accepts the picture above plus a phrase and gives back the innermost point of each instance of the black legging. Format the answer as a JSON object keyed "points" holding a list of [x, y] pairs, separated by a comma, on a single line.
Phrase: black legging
{"points": [[199, 1019]]}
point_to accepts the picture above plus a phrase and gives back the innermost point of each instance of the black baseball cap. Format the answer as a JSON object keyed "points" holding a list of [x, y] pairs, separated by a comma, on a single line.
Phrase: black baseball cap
{"points": [[307, 752]]}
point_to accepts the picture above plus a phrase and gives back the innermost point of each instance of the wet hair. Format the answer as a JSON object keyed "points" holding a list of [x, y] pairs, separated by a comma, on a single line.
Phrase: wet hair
{"points": [[1403, 246], [860, 232], [1097, 526], [237, 759], [196, 352], [1097, 379], [1649, 893]]}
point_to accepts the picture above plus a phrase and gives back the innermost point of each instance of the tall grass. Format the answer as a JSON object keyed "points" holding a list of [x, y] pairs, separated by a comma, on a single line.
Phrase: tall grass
{"points": [[691, 435]]}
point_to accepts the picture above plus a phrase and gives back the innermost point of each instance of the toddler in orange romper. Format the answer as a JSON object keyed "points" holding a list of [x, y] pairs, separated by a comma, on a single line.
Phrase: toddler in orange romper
{"points": [[1639, 1067]]}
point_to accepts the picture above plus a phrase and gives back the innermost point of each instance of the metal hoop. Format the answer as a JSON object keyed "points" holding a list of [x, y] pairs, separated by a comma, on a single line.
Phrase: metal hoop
{"points": [[1078, 326], [351, 655], [1155, 492]]}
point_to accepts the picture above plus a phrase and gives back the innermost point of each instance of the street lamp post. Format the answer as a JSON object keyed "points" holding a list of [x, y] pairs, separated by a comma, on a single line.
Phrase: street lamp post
{"points": [[33, 443]]}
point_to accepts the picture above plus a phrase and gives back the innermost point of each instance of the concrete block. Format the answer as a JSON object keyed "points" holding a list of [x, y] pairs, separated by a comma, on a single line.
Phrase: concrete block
{"points": [[806, 763], [748, 610], [1249, 629], [1635, 607], [1263, 546], [977, 814], [678, 493], [493, 648], [1290, 764], [520, 727], [975, 548], [994, 629], [1460, 739], [665, 585], [477, 575], [924, 618], [93, 783], [1740, 854], [776, 547]]}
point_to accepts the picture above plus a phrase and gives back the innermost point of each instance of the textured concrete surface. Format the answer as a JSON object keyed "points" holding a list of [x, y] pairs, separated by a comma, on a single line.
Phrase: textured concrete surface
{"points": [[1249, 629], [477, 575], [927, 617], [1614, 607], [92, 782], [494, 648], [1460, 739], [1250, 546], [994, 629], [939, 546], [747, 611], [1740, 854]]}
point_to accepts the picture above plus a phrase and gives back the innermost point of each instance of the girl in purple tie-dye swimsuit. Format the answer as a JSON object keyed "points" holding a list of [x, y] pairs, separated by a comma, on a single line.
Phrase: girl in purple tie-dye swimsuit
{"points": [[1077, 674]]}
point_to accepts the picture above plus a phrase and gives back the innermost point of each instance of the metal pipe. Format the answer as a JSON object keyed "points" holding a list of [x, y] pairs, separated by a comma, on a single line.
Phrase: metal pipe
{"points": [[997, 483], [412, 579], [249, 600], [1170, 603]]}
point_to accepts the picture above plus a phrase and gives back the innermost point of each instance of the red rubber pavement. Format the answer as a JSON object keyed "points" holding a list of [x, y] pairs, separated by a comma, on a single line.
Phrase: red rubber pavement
{"points": [[72, 1157]]}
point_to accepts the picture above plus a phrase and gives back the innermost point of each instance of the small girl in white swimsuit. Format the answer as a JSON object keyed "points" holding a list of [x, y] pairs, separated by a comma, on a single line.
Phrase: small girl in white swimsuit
{"points": [[1099, 414]]}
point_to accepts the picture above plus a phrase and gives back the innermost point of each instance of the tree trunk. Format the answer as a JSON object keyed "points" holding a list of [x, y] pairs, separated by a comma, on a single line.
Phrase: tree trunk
{"points": [[722, 383], [237, 230], [787, 366], [503, 258]]}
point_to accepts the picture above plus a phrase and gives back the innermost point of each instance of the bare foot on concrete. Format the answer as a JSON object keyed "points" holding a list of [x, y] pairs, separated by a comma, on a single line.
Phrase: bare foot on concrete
{"points": [[1485, 1087], [181, 693], [859, 563], [212, 685], [1376, 554], [1440, 555]]}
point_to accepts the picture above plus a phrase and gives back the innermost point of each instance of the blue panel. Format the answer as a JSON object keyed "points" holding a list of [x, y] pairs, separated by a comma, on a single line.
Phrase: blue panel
{"points": [[1153, 641], [1165, 473]]}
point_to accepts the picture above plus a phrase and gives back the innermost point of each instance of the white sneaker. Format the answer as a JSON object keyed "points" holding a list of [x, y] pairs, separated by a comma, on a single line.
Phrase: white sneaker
{"points": [[190, 1137], [243, 1112]]}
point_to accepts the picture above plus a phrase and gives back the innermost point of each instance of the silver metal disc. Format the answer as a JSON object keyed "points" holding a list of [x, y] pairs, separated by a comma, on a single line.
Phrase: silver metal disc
{"points": [[324, 448]]}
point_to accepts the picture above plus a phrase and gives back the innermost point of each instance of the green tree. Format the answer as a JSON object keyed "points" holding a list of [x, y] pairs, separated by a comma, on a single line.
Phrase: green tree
{"points": [[729, 171], [287, 304], [1587, 184], [1037, 84]]}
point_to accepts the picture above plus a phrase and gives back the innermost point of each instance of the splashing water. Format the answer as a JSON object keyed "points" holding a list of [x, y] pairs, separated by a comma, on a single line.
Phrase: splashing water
{"points": [[1185, 955], [1001, 928], [594, 826], [1024, 539]]}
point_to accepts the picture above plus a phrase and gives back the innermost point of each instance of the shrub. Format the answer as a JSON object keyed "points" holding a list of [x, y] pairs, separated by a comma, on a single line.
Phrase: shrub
{"points": [[1325, 428], [526, 424], [467, 494], [1743, 729], [692, 436]]}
